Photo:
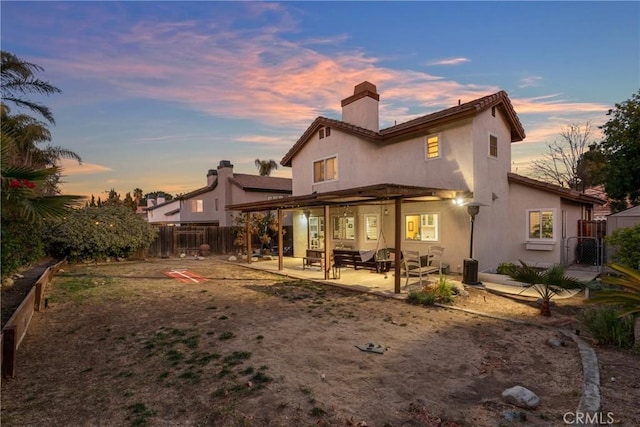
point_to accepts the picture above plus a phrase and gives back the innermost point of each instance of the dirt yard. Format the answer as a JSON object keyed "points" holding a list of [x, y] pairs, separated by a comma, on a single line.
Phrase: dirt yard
{"points": [[124, 344]]}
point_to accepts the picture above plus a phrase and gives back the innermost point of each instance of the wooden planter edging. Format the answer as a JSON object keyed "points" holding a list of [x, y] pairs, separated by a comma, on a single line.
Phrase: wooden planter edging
{"points": [[16, 327]]}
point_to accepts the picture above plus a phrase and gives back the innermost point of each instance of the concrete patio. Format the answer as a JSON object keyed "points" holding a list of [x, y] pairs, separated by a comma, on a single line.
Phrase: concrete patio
{"points": [[369, 281]]}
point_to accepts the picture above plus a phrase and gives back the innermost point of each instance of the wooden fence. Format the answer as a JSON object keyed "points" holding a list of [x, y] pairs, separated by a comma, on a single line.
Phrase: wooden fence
{"points": [[17, 325], [172, 240], [592, 228]]}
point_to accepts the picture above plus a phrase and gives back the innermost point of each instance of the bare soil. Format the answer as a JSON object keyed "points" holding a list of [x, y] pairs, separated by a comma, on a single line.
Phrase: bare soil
{"points": [[124, 344]]}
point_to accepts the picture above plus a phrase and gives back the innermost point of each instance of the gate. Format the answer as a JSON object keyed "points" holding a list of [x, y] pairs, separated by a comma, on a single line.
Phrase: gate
{"points": [[587, 248]]}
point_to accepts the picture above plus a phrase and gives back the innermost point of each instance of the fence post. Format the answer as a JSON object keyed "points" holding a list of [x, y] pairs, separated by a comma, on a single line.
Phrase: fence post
{"points": [[9, 352]]}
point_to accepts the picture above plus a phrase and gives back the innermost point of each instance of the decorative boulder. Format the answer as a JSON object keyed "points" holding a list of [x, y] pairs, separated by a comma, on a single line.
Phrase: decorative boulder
{"points": [[233, 258], [521, 397]]}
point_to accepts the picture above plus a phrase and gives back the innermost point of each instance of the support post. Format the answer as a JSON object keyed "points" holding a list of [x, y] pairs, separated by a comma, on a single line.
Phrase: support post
{"points": [[280, 242], [398, 247], [249, 250], [327, 243]]}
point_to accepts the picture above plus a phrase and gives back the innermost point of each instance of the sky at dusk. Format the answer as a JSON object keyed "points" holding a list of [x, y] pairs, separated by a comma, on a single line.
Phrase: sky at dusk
{"points": [[154, 94]]}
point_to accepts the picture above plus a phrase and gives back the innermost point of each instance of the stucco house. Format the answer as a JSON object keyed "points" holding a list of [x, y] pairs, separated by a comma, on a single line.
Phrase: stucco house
{"points": [[207, 205], [411, 185]]}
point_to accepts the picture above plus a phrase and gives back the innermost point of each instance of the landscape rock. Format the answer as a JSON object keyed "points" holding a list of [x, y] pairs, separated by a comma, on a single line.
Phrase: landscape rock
{"points": [[514, 416], [521, 397], [555, 342], [465, 394], [233, 258], [7, 282]]}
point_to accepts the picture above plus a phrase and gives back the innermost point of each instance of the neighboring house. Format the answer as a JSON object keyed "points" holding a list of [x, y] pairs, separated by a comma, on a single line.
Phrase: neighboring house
{"points": [[600, 212], [395, 187], [207, 205], [623, 219]]}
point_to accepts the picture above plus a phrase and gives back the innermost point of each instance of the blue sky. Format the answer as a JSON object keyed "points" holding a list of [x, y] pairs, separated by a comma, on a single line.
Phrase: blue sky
{"points": [[157, 93]]}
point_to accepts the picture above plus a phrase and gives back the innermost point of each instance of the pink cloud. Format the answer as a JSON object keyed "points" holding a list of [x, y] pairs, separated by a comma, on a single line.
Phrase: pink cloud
{"points": [[450, 61]]}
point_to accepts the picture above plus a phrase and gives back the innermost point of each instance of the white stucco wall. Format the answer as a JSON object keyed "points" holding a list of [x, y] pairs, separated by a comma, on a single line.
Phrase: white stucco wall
{"points": [[157, 215], [362, 163], [523, 198]]}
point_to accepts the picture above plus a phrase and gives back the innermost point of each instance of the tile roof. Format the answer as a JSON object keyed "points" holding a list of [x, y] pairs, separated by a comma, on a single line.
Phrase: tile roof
{"points": [[261, 183], [409, 129], [563, 192]]}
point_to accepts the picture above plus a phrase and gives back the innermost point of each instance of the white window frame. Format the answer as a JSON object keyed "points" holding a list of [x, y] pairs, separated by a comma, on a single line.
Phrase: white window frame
{"points": [[497, 151], [324, 166], [196, 205], [343, 227], [554, 222], [426, 146], [420, 224]]}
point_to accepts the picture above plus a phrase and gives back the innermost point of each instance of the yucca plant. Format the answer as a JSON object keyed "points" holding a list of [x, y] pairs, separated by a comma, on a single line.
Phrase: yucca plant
{"points": [[547, 283]]}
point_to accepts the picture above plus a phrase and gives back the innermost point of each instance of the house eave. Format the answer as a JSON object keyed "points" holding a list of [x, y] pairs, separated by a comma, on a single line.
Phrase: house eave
{"points": [[565, 193]]}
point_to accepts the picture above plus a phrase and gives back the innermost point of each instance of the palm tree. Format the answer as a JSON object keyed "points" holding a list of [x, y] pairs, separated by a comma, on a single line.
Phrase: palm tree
{"points": [[137, 195], [547, 283], [22, 197], [265, 166], [18, 78]]}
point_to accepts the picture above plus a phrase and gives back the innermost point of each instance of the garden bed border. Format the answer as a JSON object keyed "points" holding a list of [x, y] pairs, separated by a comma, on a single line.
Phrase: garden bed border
{"points": [[18, 324]]}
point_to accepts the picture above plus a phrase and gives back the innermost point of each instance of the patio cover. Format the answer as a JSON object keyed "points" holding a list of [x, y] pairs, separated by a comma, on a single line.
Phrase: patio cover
{"points": [[358, 195], [354, 196]]}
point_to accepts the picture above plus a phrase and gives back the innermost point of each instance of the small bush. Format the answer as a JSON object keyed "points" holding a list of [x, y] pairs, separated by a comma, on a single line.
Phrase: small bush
{"points": [[21, 245], [505, 268], [625, 244], [607, 327], [442, 292], [421, 298]]}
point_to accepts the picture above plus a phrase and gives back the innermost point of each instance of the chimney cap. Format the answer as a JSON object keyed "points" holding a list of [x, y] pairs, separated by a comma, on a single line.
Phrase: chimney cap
{"points": [[212, 172], [365, 86], [225, 164], [360, 91]]}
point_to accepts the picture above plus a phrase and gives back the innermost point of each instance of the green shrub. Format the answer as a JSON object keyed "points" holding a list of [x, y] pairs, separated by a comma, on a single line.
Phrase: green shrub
{"points": [[92, 234], [443, 292], [505, 268], [21, 245], [626, 250], [421, 298], [607, 327]]}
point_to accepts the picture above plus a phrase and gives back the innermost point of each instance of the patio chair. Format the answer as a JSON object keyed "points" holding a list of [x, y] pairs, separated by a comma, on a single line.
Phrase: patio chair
{"points": [[416, 265]]}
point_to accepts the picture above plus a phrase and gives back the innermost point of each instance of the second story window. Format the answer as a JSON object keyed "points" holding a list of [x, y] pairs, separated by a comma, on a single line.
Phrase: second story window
{"points": [[432, 147], [493, 146], [325, 169], [325, 132], [196, 206]]}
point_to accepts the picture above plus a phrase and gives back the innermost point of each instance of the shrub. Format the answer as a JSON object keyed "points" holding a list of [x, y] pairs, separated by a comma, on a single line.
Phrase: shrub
{"points": [[442, 292], [21, 244], [92, 234], [505, 268], [421, 298], [626, 248], [606, 326]]}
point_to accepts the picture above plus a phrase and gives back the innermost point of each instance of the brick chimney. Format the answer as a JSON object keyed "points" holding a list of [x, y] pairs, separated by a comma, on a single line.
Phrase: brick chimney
{"points": [[361, 108]]}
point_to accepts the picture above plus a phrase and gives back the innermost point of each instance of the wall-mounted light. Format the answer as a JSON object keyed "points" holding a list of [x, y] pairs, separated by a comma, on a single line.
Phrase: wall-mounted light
{"points": [[386, 211]]}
